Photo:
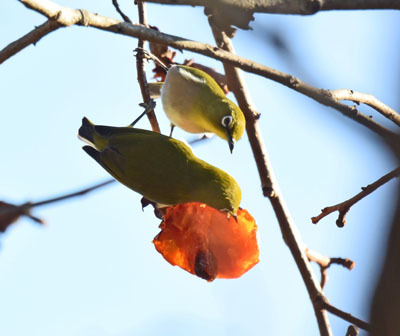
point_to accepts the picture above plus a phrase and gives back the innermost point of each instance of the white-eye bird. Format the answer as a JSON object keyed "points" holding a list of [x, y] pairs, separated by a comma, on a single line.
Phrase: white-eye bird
{"points": [[193, 101], [164, 170]]}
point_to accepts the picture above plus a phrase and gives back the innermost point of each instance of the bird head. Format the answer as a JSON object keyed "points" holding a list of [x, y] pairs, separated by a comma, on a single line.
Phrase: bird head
{"points": [[231, 123]]}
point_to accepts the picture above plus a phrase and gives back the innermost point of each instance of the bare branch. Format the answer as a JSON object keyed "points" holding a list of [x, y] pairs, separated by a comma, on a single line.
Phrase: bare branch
{"points": [[325, 262], [344, 315], [303, 7], [10, 213], [31, 38], [344, 207], [289, 230], [68, 16], [240, 13], [120, 12], [141, 71], [71, 195], [370, 100]]}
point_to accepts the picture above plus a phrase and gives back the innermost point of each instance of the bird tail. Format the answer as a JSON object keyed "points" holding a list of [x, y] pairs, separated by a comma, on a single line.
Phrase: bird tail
{"points": [[86, 132], [90, 134]]}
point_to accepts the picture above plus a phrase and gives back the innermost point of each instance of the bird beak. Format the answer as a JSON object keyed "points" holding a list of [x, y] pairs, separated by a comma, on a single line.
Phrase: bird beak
{"points": [[231, 142]]}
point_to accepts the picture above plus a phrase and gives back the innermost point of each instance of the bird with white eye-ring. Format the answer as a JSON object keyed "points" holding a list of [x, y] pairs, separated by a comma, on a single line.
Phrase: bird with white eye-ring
{"points": [[226, 122], [193, 101]]}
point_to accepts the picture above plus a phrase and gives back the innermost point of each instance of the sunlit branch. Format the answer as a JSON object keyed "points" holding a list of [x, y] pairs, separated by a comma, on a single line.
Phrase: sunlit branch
{"points": [[120, 12], [141, 70], [344, 207], [67, 16], [270, 189], [344, 315], [31, 38], [325, 262], [370, 100], [303, 7]]}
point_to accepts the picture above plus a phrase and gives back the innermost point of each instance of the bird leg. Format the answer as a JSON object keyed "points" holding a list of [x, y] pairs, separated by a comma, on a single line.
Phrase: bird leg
{"points": [[147, 108]]}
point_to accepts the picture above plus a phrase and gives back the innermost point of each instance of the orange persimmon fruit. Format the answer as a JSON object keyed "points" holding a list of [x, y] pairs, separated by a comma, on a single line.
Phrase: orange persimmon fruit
{"points": [[207, 242]]}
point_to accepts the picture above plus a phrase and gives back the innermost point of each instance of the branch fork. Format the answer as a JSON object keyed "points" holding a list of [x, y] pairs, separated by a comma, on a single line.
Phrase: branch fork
{"points": [[344, 207]]}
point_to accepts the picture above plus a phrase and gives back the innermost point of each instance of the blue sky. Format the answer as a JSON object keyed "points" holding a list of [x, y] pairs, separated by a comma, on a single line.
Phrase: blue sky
{"points": [[92, 269]]}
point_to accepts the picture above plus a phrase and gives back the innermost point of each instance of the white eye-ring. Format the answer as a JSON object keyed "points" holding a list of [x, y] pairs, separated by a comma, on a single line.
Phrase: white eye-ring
{"points": [[226, 121]]}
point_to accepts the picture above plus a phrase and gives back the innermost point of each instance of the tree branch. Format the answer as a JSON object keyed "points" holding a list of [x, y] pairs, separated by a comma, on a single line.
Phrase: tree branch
{"points": [[141, 70], [344, 315], [325, 262], [370, 100], [289, 231], [120, 12], [71, 195], [303, 7], [68, 16], [31, 38], [10, 213], [239, 13], [344, 207]]}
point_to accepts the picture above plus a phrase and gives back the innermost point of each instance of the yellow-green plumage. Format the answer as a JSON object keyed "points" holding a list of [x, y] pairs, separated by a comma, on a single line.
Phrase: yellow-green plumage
{"points": [[193, 101], [162, 169]]}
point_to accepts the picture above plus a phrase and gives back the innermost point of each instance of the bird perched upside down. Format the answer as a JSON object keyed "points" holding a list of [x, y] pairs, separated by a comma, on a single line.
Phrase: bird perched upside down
{"points": [[162, 169]]}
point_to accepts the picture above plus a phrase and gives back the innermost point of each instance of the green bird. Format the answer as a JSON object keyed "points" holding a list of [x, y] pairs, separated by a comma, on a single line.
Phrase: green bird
{"points": [[193, 101], [162, 169]]}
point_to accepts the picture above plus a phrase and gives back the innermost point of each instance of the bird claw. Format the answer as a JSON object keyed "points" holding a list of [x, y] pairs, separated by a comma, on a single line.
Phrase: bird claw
{"points": [[229, 214], [148, 106], [147, 55], [141, 52], [157, 211]]}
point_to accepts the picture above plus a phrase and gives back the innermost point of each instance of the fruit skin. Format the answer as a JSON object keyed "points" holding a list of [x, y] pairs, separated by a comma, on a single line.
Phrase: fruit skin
{"points": [[207, 243]]}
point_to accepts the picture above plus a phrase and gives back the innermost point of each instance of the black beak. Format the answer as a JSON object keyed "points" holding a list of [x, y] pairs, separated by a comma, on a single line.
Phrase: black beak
{"points": [[231, 142]]}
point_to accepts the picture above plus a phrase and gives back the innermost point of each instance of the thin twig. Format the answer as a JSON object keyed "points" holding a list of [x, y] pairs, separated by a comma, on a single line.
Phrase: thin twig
{"points": [[344, 315], [67, 16], [289, 230], [344, 207], [325, 262], [141, 70], [9, 213], [370, 100], [31, 38], [120, 12], [71, 195]]}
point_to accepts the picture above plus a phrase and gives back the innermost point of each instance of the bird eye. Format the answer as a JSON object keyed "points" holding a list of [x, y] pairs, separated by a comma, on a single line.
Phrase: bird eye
{"points": [[226, 121]]}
